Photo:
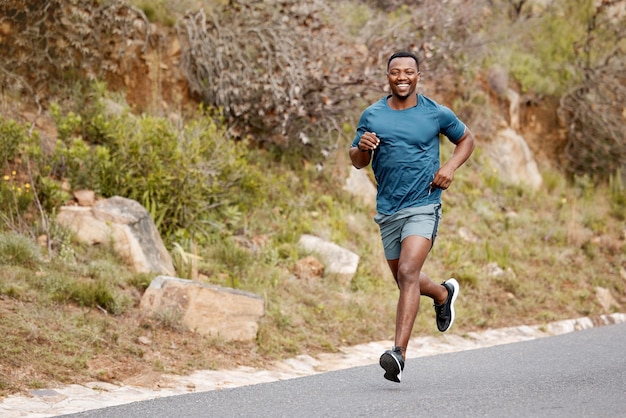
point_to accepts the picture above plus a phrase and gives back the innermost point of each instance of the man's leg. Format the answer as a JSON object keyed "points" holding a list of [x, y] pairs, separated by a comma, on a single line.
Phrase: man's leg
{"points": [[412, 283]]}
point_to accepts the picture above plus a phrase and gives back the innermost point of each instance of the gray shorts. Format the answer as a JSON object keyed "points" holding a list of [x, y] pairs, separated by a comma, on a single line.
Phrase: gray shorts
{"points": [[422, 221]]}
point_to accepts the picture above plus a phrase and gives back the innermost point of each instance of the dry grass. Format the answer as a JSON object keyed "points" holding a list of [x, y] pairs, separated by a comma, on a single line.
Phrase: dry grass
{"points": [[538, 257]]}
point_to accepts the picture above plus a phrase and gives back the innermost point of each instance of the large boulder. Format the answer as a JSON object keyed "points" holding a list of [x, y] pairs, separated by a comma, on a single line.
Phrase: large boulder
{"points": [[124, 224], [359, 184], [221, 312], [336, 259], [513, 159]]}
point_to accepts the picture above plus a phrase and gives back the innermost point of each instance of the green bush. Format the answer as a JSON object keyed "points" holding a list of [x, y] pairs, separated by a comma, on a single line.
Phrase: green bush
{"points": [[12, 135], [18, 250], [16, 188], [16, 197], [187, 177], [96, 293]]}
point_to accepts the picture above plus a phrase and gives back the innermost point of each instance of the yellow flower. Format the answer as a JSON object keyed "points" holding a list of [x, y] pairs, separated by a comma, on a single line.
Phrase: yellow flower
{"points": [[6, 178], [13, 173], [27, 186]]}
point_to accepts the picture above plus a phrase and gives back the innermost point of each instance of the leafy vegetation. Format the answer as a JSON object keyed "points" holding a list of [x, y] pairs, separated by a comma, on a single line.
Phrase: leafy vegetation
{"points": [[232, 205]]}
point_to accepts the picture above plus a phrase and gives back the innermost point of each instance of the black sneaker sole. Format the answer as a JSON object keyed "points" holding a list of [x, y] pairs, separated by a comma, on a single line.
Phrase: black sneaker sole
{"points": [[390, 364], [456, 290], [455, 293]]}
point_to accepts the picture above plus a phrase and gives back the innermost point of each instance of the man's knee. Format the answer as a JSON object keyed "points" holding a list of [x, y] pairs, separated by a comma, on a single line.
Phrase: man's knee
{"points": [[408, 274]]}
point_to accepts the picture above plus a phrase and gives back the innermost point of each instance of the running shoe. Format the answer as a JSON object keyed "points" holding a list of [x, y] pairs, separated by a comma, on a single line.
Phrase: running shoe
{"points": [[445, 311], [393, 363]]}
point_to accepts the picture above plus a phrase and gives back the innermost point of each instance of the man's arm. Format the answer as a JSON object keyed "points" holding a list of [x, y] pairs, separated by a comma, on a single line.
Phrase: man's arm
{"points": [[462, 151], [361, 155], [360, 158]]}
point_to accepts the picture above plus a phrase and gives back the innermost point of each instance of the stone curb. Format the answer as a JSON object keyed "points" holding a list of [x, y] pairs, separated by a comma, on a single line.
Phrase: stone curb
{"points": [[78, 398]]}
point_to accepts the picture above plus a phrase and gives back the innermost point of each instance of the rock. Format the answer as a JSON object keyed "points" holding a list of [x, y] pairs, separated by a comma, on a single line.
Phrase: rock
{"points": [[359, 184], [605, 298], [127, 226], [255, 244], [308, 268], [42, 240], [112, 108], [468, 235], [494, 270], [85, 197], [498, 79], [5, 28], [336, 259], [512, 157], [144, 340], [206, 309]]}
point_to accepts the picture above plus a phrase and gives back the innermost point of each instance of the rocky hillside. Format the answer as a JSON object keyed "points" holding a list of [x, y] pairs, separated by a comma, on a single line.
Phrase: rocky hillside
{"points": [[210, 55], [228, 121]]}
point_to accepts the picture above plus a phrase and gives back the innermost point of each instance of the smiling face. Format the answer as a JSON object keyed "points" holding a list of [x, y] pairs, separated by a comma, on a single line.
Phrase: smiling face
{"points": [[403, 77]]}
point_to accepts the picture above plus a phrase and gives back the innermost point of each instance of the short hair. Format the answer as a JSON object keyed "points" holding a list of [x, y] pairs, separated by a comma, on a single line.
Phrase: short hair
{"points": [[403, 54]]}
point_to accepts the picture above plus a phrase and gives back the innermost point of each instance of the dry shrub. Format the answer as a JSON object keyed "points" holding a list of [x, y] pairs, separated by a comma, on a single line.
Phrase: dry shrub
{"points": [[595, 125], [47, 45], [593, 111], [276, 68]]}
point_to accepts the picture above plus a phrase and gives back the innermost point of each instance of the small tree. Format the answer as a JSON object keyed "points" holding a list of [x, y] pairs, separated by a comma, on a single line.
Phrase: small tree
{"points": [[593, 110]]}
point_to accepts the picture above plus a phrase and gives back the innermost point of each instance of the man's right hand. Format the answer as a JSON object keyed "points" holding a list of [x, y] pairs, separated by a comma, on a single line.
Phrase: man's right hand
{"points": [[369, 142], [361, 155]]}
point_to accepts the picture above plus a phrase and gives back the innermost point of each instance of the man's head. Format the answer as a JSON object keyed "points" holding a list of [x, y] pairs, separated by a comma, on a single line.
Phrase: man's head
{"points": [[404, 54], [403, 74]]}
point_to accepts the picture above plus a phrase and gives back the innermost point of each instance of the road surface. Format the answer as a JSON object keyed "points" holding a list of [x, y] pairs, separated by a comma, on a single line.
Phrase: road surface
{"points": [[580, 374]]}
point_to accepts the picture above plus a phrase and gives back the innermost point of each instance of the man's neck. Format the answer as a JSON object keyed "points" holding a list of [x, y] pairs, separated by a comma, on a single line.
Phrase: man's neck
{"points": [[401, 103]]}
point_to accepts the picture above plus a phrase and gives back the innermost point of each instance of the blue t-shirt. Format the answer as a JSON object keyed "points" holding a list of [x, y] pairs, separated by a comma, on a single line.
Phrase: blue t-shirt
{"points": [[407, 158]]}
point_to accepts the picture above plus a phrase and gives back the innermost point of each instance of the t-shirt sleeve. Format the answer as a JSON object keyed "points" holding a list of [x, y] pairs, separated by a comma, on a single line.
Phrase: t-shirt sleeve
{"points": [[361, 129], [450, 125]]}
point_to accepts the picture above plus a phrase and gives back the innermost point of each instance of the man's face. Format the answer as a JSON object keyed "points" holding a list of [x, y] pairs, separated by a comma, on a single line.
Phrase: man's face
{"points": [[403, 77]]}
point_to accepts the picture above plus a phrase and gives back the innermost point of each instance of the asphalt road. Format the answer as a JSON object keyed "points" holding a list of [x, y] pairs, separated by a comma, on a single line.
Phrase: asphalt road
{"points": [[580, 374]]}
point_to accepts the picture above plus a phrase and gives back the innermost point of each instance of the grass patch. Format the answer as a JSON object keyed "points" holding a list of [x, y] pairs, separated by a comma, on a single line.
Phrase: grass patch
{"points": [[533, 258]]}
